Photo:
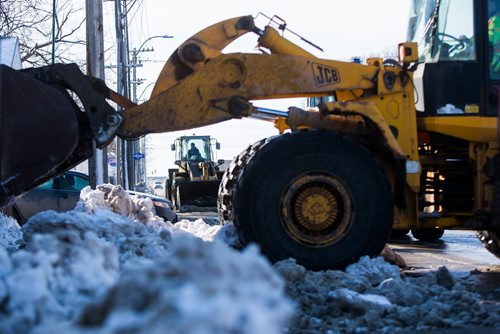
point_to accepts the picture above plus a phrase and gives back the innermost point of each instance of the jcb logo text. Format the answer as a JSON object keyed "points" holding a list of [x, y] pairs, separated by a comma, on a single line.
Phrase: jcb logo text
{"points": [[325, 75]]}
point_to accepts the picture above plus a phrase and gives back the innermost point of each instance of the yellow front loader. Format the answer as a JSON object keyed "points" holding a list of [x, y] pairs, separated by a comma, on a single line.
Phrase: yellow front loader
{"points": [[339, 177], [196, 180]]}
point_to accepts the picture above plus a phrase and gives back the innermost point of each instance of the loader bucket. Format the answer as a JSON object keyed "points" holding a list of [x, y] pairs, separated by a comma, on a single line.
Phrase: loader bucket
{"points": [[197, 193], [38, 131]]}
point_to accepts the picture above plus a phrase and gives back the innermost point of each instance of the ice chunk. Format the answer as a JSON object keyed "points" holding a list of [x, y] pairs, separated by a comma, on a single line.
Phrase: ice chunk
{"points": [[11, 236]]}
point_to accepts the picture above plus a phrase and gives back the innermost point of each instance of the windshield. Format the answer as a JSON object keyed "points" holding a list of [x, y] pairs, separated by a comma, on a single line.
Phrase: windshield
{"points": [[420, 14], [494, 38], [443, 29], [196, 149]]}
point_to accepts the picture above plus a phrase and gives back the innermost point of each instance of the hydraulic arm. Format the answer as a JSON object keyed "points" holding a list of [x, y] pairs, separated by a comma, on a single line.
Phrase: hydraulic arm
{"points": [[199, 86]]}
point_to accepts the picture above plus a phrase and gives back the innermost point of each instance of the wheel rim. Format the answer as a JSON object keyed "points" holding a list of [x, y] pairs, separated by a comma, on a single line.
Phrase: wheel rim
{"points": [[317, 209]]}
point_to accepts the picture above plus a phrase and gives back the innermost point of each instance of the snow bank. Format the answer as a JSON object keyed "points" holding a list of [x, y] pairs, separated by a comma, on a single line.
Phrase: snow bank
{"points": [[53, 278], [371, 296], [134, 241], [199, 288], [94, 271]]}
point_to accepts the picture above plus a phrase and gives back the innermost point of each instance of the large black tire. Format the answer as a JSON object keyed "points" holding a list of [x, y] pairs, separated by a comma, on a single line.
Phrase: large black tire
{"points": [[168, 190], [229, 179], [491, 241], [427, 234], [176, 197], [316, 196]]}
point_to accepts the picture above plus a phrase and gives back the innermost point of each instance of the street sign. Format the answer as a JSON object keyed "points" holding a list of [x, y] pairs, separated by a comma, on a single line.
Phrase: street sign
{"points": [[138, 156]]}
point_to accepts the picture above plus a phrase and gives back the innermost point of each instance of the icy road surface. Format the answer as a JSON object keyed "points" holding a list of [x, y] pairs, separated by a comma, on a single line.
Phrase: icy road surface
{"points": [[460, 251]]}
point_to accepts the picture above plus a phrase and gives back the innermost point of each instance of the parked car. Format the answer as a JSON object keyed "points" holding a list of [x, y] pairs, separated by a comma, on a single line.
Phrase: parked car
{"points": [[63, 192]]}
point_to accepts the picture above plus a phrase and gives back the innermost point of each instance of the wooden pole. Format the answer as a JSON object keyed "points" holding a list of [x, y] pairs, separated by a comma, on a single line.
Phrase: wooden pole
{"points": [[98, 164]]}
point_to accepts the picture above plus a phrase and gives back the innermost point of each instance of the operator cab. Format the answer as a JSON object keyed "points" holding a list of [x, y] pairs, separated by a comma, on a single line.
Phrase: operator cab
{"points": [[458, 70], [195, 148]]}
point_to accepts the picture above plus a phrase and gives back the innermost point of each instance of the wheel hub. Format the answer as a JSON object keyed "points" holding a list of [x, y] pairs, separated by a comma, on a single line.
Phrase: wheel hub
{"points": [[317, 209]]}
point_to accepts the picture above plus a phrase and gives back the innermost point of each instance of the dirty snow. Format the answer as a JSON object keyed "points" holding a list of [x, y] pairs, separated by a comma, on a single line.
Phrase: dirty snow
{"points": [[371, 297], [93, 270], [111, 266]]}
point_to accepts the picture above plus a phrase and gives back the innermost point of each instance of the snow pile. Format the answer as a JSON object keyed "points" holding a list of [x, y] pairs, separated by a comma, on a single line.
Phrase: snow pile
{"points": [[199, 288], [53, 278], [371, 296], [198, 228], [116, 199], [10, 233], [225, 233], [134, 241], [94, 271]]}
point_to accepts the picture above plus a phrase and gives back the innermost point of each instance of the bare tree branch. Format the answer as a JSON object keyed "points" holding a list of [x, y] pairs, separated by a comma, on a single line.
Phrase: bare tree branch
{"points": [[31, 22]]}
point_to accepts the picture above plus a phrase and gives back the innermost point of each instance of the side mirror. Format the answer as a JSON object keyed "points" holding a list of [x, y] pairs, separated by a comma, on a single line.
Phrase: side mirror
{"points": [[177, 162], [217, 146], [172, 147]]}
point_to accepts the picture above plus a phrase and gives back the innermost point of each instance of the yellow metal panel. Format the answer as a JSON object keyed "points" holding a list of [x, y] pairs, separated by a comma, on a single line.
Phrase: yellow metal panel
{"points": [[473, 128], [210, 42], [201, 98]]}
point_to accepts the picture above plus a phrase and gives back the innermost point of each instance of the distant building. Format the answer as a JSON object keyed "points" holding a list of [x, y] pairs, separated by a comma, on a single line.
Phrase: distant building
{"points": [[9, 52]]}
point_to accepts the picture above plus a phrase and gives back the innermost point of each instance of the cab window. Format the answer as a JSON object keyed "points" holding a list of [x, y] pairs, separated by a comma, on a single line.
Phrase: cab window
{"points": [[443, 30], [494, 38], [197, 149], [456, 31]]}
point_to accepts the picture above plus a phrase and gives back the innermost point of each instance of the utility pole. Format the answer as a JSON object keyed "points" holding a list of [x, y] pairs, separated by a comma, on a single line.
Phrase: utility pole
{"points": [[139, 164], [130, 168], [98, 164], [124, 168], [140, 144]]}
